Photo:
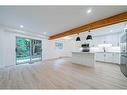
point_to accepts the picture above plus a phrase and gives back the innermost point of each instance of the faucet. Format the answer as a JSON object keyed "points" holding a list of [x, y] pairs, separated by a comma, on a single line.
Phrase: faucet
{"points": [[104, 49]]}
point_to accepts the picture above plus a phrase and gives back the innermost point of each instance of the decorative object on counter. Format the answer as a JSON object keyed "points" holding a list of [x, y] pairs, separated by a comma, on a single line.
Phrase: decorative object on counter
{"points": [[85, 47], [104, 49], [78, 38], [89, 37]]}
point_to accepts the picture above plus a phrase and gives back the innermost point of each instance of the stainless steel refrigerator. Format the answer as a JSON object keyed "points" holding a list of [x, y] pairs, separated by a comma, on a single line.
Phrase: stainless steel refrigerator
{"points": [[123, 56]]}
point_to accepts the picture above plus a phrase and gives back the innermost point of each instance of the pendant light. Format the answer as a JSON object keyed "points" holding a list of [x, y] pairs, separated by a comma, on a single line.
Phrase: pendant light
{"points": [[78, 38], [89, 37]]}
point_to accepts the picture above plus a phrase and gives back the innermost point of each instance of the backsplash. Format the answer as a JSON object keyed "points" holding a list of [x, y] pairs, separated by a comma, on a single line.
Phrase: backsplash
{"points": [[110, 49]]}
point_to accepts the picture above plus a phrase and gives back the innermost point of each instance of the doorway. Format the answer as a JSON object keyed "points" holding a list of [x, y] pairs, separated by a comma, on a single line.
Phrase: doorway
{"points": [[28, 50]]}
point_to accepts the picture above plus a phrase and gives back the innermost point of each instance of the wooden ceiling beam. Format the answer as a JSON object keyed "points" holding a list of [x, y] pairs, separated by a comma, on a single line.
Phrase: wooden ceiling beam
{"points": [[97, 24]]}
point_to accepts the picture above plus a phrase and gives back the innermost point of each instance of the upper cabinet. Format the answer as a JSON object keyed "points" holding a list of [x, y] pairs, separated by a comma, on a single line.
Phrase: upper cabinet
{"points": [[112, 39], [106, 39]]}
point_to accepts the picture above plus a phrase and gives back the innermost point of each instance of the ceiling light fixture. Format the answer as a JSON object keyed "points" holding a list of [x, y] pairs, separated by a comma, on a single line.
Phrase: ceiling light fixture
{"points": [[89, 11], [21, 26], [78, 38], [89, 37]]}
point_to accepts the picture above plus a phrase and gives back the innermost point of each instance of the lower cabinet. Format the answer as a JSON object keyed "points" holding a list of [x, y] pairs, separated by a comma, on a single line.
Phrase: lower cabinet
{"points": [[99, 56], [110, 57], [116, 58]]}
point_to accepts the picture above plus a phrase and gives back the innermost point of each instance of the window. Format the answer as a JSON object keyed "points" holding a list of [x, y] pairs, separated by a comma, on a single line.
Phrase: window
{"points": [[58, 45]]}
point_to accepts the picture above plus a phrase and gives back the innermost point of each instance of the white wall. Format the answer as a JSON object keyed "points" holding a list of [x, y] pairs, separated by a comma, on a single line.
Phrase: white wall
{"points": [[7, 47], [52, 52]]}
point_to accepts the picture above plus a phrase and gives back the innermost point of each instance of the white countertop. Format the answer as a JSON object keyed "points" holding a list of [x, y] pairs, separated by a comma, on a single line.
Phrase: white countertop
{"points": [[107, 52], [83, 52]]}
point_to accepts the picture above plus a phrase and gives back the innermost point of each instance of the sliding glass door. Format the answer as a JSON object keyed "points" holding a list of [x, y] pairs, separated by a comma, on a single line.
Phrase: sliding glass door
{"points": [[28, 50]]}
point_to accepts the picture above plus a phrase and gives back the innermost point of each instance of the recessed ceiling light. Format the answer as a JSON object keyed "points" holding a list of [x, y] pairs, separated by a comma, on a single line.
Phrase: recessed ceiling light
{"points": [[111, 30], [89, 11], [21, 26], [44, 33]]}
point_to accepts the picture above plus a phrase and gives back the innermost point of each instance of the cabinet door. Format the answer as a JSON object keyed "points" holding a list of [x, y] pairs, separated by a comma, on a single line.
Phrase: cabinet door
{"points": [[115, 39], [109, 57], [112, 39], [101, 40], [99, 56], [108, 39], [116, 58], [95, 42]]}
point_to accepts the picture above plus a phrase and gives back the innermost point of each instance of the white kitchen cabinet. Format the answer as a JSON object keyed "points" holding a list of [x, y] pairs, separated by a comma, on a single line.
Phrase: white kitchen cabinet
{"points": [[94, 42], [100, 56], [116, 58], [114, 39], [110, 57], [111, 39], [101, 40], [106, 39]]}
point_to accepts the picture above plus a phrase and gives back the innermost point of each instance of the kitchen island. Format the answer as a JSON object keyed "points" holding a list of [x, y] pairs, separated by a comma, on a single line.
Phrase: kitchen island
{"points": [[83, 58]]}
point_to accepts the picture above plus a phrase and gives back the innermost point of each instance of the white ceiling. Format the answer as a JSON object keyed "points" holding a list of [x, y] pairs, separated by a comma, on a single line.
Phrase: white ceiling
{"points": [[54, 19]]}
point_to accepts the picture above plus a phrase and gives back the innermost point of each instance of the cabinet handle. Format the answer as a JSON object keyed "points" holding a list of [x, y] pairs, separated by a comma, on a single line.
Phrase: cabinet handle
{"points": [[117, 44], [15, 49]]}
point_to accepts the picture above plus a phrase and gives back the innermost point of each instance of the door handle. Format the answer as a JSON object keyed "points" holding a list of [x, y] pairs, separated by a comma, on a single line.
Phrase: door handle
{"points": [[15, 49]]}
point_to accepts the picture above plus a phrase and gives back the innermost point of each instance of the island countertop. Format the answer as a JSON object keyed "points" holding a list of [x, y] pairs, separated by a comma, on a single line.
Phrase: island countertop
{"points": [[83, 52], [83, 58]]}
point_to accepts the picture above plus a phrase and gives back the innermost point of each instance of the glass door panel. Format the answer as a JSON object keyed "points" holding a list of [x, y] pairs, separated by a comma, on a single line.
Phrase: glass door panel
{"points": [[36, 50], [22, 50]]}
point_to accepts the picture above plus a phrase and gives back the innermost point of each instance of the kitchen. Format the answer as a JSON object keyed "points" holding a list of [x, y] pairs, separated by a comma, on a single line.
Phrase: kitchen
{"points": [[104, 45]]}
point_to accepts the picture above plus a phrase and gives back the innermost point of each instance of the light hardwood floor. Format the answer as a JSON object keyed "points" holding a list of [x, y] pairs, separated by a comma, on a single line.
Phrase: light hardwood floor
{"points": [[62, 74]]}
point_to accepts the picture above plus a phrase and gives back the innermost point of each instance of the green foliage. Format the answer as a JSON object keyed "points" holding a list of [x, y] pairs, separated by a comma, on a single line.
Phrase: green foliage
{"points": [[23, 46]]}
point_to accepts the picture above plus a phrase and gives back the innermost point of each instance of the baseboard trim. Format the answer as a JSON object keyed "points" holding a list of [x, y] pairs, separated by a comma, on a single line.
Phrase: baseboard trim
{"points": [[57, 58], [2, 67], [108, 62]]}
